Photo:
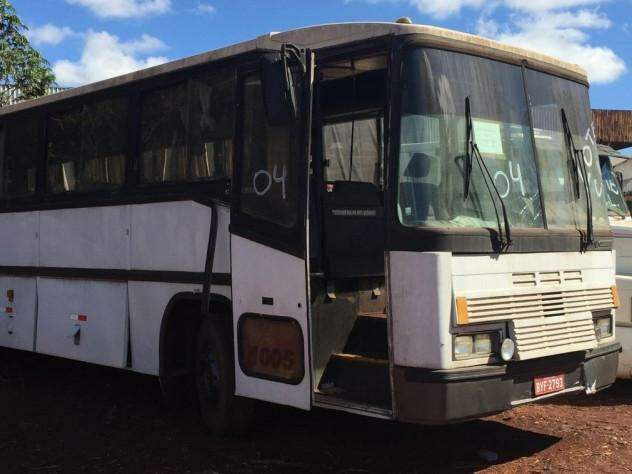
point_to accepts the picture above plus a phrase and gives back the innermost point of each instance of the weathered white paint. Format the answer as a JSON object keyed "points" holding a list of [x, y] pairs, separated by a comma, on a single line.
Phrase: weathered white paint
{"points": [[95, 237], [423, 287], [259, 271], [322, 36], [624, 313], [103, 336], [476, 275], [221, 263], [420, 288], [167, 236], [17, 328], [147, 303], [170, 236], [18, 236], [624, 336]]}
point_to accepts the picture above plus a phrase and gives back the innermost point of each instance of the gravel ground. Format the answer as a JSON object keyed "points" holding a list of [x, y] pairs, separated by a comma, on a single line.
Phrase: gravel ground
{"points": [[63, 416]]}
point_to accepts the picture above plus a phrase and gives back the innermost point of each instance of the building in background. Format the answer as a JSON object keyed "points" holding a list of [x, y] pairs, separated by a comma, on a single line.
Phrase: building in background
{"points": [[14, 97]]}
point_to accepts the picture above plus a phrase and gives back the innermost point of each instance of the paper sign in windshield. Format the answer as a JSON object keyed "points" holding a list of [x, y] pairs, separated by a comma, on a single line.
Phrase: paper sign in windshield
{"points": [[488, 138]]}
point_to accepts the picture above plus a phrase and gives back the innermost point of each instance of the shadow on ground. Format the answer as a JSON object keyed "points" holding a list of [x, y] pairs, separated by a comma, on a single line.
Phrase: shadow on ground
{"points": [[620, 394], [63, 416]]}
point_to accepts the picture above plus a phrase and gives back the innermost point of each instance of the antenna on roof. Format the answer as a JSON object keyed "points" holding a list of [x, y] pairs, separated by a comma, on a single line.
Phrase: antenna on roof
{"points": [[404, 20]]}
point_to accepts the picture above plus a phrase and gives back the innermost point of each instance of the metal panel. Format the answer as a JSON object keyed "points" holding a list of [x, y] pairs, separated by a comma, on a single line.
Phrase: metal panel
{"points": [[104, 332], [18, 239], [420, 288], [17, 313], [261, 272], [147, 304], [170, 236], [96, 237]]}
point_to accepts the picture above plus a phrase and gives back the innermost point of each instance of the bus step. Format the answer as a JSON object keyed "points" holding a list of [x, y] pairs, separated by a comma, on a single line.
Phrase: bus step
{"points": [[376, 315], [357, 378], [368, 337], [359, 359]]}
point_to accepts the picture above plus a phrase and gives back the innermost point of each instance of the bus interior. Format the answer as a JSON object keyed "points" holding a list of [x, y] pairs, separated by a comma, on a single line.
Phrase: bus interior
{"points": [[347, 236]]}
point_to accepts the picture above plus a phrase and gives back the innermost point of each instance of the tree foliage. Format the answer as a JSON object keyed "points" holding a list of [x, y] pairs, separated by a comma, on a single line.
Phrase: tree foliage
{"points": [[22, 68]]}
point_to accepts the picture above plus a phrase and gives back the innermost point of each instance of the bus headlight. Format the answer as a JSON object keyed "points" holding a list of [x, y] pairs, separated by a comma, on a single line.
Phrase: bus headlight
{"points": [[603, 327], [507, 349], [473, 345]]}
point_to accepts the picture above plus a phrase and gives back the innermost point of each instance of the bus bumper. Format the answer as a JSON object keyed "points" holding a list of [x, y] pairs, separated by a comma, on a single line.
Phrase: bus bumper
{"points": [[449, 396]]}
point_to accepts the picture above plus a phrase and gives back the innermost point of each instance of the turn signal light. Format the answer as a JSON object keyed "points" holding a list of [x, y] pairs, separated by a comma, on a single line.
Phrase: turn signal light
{"points": [[615, 296], [462, 316]]}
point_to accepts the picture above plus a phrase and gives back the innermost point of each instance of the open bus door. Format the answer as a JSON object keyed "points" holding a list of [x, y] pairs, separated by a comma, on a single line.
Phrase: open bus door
{"points": [[269, 261]]}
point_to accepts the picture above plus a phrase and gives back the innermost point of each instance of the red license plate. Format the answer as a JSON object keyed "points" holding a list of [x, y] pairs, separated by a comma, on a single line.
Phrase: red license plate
{"points": [[544, 385]]}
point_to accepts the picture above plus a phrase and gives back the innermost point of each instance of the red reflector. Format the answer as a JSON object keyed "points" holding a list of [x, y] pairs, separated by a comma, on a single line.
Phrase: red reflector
{"points": [[82, 317], [8, 310]]}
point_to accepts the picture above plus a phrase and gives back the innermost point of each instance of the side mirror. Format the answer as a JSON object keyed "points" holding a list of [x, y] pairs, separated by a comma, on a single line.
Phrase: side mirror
{"points": [[278, 90]]}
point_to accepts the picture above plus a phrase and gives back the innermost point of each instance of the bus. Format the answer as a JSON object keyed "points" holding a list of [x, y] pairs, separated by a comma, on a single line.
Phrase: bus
{"points": [[394, 220], [621, 224]]}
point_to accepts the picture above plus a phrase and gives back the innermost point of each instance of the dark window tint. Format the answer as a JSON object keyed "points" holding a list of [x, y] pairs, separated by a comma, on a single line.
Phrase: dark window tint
{"points": [[268, 188], [211, 128], [20, 158], [163, 129], [87, 147], [104, 145], [364, 164], [64, 150], [548, 96]]}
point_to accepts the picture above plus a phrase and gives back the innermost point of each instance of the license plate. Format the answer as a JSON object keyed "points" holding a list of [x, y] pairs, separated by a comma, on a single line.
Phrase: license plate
{"points": [[544, 385]]}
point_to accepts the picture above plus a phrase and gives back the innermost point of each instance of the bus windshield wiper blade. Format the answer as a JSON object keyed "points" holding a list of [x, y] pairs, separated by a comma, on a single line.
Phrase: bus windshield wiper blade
{"points": [[579, 166], [468, 151], [472, 151]]}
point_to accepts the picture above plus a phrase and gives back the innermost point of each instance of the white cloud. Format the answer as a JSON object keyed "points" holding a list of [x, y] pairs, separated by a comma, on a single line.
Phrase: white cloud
{"points": [[145, 44], [206, 8], [561, 34], [444, 8], [48, 34], [124, 8], [105, 55], [554, 27]]}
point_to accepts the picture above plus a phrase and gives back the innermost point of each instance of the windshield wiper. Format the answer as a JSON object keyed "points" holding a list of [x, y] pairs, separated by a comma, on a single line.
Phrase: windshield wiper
{"points": [[579, 166], [473, 151]]}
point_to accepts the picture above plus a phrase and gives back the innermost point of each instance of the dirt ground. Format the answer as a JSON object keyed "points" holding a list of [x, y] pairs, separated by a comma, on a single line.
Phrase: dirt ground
{"points": [[62, 416]]}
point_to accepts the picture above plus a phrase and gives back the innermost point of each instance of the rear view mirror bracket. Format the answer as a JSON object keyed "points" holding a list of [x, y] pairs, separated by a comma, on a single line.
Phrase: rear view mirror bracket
{"points": [[279, 90]]}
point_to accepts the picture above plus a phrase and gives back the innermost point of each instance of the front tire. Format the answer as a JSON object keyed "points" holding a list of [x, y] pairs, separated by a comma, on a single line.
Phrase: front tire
{"points": [[222, 412]]}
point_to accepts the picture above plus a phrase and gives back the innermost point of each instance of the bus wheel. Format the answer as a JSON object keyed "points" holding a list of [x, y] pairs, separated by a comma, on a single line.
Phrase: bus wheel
{"points": [[222, 412]]}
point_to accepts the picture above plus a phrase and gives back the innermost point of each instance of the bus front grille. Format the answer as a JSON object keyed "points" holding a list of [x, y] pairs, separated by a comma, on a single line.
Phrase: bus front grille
{"points": [[544, 336], [540, 304]]}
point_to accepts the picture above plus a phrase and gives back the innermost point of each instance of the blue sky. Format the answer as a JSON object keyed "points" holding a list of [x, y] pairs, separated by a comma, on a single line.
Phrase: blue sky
{"points": [[87, 40]]}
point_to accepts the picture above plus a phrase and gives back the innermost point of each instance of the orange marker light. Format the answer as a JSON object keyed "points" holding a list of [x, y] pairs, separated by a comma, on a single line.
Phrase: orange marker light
{"points": [[462, 316], [615, 296]]}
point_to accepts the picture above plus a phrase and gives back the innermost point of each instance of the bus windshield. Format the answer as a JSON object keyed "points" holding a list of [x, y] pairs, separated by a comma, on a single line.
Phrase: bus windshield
{"points": [[433, 159], [612, 191]]}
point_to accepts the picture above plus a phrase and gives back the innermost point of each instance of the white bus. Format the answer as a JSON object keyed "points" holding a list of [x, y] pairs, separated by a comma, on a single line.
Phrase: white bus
{"points": [[387, 219], [621, 224]]}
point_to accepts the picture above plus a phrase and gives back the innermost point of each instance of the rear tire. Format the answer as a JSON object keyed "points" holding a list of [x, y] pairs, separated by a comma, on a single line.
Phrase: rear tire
{"points": [[223, 413]]}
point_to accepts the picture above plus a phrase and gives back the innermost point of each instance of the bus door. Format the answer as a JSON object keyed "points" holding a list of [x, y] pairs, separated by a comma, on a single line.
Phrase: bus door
{"points": [[268, 230]]}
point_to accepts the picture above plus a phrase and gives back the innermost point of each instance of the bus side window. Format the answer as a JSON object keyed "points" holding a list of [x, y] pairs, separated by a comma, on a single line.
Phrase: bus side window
{"points": [[63, 150], [104, 145], [268, 179], [211, 128], [87, 147], [365, 164], [163, 135], [20, 157]]}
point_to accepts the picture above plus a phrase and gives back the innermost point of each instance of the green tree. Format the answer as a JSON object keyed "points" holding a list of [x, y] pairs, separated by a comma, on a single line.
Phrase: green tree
{"points": [[22, 68]]}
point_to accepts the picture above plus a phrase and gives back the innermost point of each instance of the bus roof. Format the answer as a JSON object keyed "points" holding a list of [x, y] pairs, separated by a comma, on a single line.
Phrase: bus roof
{"points": [[323, 36]]}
